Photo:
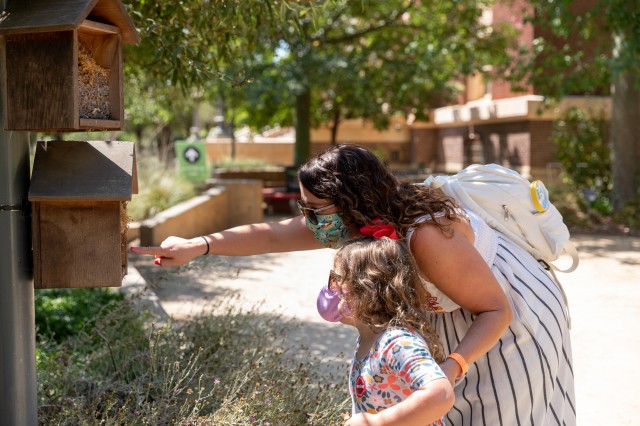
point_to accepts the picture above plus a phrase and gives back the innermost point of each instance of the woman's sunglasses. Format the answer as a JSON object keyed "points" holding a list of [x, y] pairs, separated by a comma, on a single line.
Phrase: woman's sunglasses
{"points": [[311, 214]]}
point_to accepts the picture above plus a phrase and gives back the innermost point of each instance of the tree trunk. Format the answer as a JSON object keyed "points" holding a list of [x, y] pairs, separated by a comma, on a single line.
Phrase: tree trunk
{"points": [[335, 124], [625, 138], [137, 130], [232, 133], [165, 146], [302, 150]]}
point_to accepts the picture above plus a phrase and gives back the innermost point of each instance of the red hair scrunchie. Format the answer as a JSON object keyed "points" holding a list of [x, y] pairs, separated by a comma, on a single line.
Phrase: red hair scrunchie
{"points": [[378, 229]]}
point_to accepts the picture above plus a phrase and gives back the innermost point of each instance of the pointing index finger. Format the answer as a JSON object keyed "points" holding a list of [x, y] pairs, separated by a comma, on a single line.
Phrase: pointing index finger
{"points": [[153, 250]]}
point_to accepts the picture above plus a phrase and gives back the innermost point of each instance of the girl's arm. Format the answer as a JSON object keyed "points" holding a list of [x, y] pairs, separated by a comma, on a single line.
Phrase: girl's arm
{"points": [[453, 264], [272, 237], [422, 407]]}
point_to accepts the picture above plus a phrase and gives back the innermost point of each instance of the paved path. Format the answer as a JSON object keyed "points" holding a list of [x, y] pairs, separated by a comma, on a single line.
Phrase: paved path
{"points": [[604, 298]]}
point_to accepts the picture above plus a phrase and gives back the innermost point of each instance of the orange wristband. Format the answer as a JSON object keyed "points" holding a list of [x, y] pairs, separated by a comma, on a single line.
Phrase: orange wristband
{"points": [[464, 366]]}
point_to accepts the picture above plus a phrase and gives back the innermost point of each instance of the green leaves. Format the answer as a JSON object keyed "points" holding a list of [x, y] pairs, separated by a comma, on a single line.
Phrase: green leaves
{"points": [[574, 51], [583, 150], [352, 59], [190, 41]]}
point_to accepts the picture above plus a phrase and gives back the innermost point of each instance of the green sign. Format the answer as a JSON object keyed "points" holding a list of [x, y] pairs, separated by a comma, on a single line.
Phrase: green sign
{"points": [[192, 160]]}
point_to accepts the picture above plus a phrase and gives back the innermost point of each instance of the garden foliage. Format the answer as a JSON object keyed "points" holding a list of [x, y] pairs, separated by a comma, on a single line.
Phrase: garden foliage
{"points": [[225, 369]]}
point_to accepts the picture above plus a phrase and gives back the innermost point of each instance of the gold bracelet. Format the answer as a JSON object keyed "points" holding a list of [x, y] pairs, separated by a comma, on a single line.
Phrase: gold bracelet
{"points": [[464, 366]]}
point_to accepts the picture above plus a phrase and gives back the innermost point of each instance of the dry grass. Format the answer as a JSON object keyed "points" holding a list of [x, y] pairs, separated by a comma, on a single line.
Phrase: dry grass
{"points": [[226, 369], [93, 86]]}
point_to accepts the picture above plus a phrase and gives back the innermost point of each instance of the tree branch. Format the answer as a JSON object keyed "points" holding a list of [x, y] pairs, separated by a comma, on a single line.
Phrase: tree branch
{"points": [[387, 23]]}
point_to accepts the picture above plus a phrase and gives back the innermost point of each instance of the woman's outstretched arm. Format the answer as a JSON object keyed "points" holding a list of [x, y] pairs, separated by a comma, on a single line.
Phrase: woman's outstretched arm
{"points": [[269, 237]]}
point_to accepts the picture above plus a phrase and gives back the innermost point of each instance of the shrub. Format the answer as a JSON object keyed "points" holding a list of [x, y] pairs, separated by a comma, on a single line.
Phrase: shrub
{"points": [[223, 369], [160, 188], [61, 313], [584, 153]]}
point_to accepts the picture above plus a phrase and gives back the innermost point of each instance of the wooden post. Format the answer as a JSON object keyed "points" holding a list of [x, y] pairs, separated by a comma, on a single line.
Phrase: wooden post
{"points": [[18, 392]]}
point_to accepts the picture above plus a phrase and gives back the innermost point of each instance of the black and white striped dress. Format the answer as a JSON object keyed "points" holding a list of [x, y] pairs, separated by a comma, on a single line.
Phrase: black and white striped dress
{"points": [[527, 377]]}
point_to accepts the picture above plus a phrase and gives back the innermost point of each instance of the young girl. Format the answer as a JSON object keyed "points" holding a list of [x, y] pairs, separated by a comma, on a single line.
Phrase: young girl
{"points": [[395, 378]]}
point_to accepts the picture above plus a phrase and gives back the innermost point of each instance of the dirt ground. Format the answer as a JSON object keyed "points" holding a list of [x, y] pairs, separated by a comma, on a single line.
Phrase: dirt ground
{"points": [[604, 300]]}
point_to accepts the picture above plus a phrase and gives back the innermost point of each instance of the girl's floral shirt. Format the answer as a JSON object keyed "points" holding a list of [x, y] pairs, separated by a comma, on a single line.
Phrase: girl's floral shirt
{"points": [[398, 364]]}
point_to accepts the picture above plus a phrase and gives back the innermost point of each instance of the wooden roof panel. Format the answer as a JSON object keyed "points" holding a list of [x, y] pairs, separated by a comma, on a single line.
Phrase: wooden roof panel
{"points": [[113, 12], [83, 170], [27, 16]]}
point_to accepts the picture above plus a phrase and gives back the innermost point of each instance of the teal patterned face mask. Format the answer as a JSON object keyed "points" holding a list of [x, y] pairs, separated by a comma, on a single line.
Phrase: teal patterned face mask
{"points": [[330, 230]]}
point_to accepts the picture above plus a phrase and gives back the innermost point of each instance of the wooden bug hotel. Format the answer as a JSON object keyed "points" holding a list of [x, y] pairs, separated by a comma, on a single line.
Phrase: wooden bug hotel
{"points": [[78, 194], [62, 71], [63, 65]]}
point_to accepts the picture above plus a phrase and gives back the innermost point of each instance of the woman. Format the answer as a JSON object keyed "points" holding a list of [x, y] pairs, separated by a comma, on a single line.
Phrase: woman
{"points": [[494, 306]]}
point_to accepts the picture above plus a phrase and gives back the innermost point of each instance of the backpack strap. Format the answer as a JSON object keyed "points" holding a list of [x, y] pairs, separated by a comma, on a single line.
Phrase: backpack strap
{"points": [[571, 250]]}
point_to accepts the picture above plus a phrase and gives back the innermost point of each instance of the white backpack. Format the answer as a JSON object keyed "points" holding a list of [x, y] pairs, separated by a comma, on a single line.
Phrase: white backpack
{"points": [[512, 205]]}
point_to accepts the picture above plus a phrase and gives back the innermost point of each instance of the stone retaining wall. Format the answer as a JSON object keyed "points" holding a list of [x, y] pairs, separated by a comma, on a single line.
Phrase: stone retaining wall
{"points": [[233, 203]]}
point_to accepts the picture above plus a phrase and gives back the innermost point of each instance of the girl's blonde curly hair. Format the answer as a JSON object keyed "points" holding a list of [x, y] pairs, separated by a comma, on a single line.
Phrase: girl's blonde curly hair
{"points": [[381, 286]]}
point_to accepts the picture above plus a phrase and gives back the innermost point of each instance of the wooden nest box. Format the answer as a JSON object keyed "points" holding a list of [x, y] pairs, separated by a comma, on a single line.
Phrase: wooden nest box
{"points": [[79, 192], [63, 64]]}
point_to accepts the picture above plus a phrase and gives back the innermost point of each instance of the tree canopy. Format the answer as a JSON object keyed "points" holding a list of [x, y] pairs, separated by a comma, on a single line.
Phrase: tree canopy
{"points": [[307, 63], [190, 42]]}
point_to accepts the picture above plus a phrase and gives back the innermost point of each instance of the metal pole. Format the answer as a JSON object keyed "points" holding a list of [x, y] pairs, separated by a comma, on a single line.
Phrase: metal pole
{"points": [[18, 391]]}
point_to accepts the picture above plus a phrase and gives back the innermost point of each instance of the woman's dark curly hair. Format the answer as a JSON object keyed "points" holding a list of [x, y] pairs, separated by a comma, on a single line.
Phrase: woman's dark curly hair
{"points": [[362, 189], [380, 284]]}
